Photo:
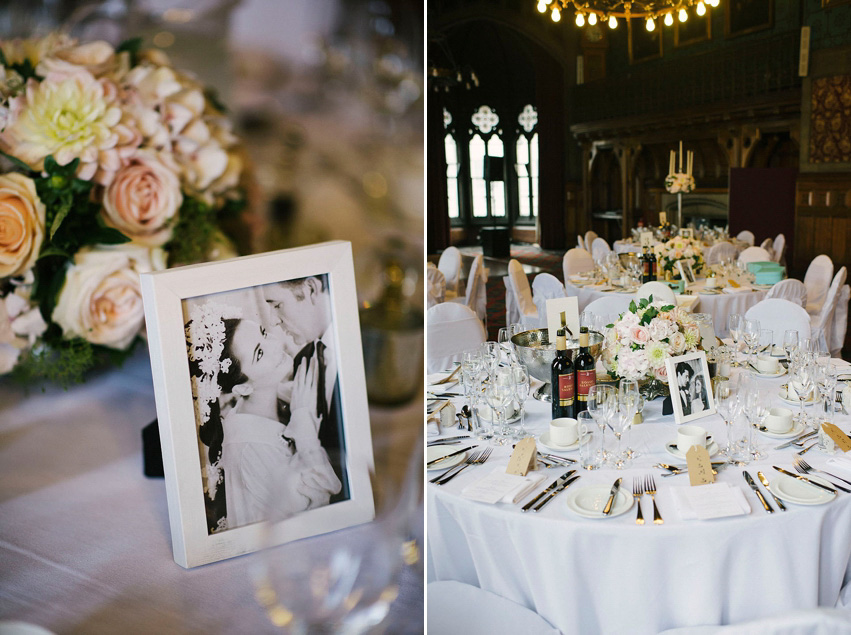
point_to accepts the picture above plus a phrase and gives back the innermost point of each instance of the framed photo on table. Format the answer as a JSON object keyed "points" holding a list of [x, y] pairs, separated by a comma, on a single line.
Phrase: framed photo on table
{"points": [[690, 386], [686, 272], [261, 400]]}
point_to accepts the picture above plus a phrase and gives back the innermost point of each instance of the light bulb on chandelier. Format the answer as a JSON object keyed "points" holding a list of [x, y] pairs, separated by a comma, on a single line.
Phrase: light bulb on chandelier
{"points": [[592, 19], [701, 9], [556, 14], [650, 25], [542, 6], [669, 19], [683, 15], [580, 19], [613, 22]]}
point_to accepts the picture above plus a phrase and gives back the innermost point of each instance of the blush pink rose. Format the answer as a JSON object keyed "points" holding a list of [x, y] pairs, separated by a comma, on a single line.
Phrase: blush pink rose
{"points": [[639, 334], [142, 199], [661, 373]]}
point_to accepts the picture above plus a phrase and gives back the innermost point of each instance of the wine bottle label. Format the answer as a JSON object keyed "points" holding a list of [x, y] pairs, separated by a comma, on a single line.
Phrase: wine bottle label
{"points": [[583, 340], [584, 380], [566, 390]]}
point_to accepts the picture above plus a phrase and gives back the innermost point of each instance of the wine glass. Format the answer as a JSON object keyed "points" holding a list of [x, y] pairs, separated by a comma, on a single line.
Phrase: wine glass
{"points": [[728, 407], [621, 419], [825, 379], [599, 403], [499, 395], [471, 373], [755, 409], [504, 339], [734, 322], [766, 341], [801, 385], [490, 356], [628, 394], [749, 332], [521, 391]]}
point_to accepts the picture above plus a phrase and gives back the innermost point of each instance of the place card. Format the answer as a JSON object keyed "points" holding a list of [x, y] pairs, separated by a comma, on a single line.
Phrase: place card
{"points": [[663, 218], [555, 306], [523, 457], [838, 436], [733, 283], [645, 239], [718, 500], [699, 466]]}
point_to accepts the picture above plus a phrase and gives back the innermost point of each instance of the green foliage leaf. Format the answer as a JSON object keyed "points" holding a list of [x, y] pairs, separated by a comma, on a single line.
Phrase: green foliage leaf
{"points": [[215, 101], [668, 307], [61, 212], [632, 307], [53, 252], [193, 233], [64, 362], [17, 162], [132, 47]]}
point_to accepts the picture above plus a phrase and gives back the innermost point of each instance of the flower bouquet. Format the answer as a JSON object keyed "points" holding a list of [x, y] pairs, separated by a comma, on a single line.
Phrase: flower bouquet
{"points": [[638, 343], [679, 248], [113, 163], [679, 183]]}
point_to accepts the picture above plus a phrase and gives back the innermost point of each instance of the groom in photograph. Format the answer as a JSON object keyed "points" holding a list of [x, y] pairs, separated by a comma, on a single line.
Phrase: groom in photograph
{"points": [[303, 307], [685, 373]]}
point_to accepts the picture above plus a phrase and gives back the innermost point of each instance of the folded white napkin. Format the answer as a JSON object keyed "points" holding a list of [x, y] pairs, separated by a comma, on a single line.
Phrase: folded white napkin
{"points": [[702, 502], [737, 289], [440, 388], [499, 487], [599, 287], [840, 461]]}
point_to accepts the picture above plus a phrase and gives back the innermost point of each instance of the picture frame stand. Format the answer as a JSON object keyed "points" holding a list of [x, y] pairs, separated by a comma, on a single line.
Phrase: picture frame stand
{"points": [[152, 452]]}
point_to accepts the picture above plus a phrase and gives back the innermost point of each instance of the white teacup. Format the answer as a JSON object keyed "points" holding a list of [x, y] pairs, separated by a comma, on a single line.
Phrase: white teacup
{"points": [[767, 364], [564, 431], [778, 420], [688, 436], [711, 283]]}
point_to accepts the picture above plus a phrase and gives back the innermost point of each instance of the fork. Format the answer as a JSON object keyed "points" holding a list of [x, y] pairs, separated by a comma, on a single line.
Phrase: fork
{"points": [[807, 468], [650, 488], [807, 449], [637, 491], [801, 470], [478, 461], [468, 461]]}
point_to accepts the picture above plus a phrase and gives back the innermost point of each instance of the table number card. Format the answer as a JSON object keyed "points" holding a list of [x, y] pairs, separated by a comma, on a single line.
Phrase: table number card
{"points": [[663, 218], [838, 436], [645, 239], [555, 306], [523, 458], [699, 466]]}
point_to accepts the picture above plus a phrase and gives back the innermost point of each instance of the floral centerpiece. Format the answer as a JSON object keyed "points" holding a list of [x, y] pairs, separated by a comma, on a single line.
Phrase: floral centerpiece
{"points": [[679, 182], [113, 163], [638, 343], [679, 248]]}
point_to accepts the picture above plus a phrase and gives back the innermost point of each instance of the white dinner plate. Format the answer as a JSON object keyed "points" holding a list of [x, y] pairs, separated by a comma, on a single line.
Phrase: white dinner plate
{"points": [[709, 292], [757, 373], [672, 449], [437, 451], [795, 491], [797, 428], [544, 440], [589, 501]]}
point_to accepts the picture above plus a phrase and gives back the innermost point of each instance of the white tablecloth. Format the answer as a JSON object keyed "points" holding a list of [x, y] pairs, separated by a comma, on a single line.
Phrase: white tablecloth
{"points": [[84, 536], [613, 576], [720, 306]]}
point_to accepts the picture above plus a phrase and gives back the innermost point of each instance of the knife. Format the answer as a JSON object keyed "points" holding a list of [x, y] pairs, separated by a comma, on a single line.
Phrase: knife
{"points": [[764, 481], [750, 481], [804, 478], [614, 491], [448, 440], [556, 483], [451, 454], [555, 492], [793, 441]]}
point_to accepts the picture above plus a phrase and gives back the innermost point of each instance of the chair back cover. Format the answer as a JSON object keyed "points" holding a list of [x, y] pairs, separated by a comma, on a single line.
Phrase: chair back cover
{"points": [[599, 249], [436, 286], [817, 280], [456, 608], [823, 322], [779, 247], [576, 261], [476, 297], [817, 621], [746, 236], [719, 252], [580, 242], [840, 322], [545, 287], [452, 329], [519, 305], [590, 236], [790, 289], [768, 245], [609, 305], [450, 265], [780, 315], [659, 291], [754, 254]]}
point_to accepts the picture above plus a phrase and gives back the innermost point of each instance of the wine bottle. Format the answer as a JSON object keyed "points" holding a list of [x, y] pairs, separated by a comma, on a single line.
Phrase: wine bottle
{"points": [[563, 378], [586, 370], [645, 266], [654, 271]]}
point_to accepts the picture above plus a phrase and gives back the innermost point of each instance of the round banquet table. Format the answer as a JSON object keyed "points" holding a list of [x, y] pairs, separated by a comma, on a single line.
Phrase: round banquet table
{"points": [[85, 545], [718, 304], [613, 576]]}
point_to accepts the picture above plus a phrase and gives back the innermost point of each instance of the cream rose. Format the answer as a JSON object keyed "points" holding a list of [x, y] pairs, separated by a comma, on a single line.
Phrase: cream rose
{"points": [[21, 224], [142, 199], [101, 300]]}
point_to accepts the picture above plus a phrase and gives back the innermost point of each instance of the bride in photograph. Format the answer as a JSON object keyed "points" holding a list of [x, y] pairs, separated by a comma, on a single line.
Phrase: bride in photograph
{"points": [[241, 371]]}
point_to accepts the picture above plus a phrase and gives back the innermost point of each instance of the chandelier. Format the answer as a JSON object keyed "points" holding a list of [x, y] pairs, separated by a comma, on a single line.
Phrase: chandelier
{"points": [[592, 11]]}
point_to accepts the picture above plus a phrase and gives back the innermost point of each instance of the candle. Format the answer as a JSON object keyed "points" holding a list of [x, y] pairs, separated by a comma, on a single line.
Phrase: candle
{"points": [[690, 161], [672, 163], [681, 156]]}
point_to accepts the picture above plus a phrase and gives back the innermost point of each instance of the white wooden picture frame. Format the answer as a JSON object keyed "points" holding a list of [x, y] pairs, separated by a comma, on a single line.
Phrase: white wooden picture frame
{"points": [[246, 288], [686, 271], [690, 386]]}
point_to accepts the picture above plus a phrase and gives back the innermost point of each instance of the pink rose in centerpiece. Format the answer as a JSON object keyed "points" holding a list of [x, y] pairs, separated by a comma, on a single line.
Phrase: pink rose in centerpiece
{"points": [[639, 334], [661, 373], [22, 216]]}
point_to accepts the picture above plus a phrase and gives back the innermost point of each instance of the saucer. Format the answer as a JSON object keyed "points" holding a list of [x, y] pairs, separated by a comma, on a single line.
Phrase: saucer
{"points": [[758, 373], [797, 428], [794, 402], [437, 451], [589, 501], [672, 449], [794, 491], [544, 439]]}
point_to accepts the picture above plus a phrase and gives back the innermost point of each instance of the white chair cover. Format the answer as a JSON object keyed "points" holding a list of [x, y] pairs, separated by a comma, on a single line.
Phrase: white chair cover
{"points": [[600, 249], [608, 305], [817, 621], [590, 237], [780, 315], [476, 294], [450, 265], [621, 247], [452, 329], [519, 305], [768, 245], [779, 247], [790, 289], [576, 261], [822, 323], [840, 322], [754, 254], [436, 286], [746, 236], [580, 242], [455, 608], [817, 280], [719, 252], [545, 287], [659, 291]]}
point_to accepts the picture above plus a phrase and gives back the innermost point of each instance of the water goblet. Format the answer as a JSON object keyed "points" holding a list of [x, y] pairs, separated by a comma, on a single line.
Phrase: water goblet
{"points": [[490, 356], [734, 323], [755, 409], [522, 384], [749, 332], [801, 384], [621, 419], [728, 407], [500, 394], [599, 400], [503, 338], [629, 394], [766, 341]]}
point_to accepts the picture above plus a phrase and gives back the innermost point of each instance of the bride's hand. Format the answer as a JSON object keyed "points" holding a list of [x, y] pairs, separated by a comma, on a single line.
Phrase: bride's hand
{"points": [[305, 387]]}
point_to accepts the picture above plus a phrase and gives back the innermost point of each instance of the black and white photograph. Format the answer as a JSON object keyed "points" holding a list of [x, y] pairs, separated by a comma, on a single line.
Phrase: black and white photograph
{"points": [[686, 271], [263, 363], [690, 386]]}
